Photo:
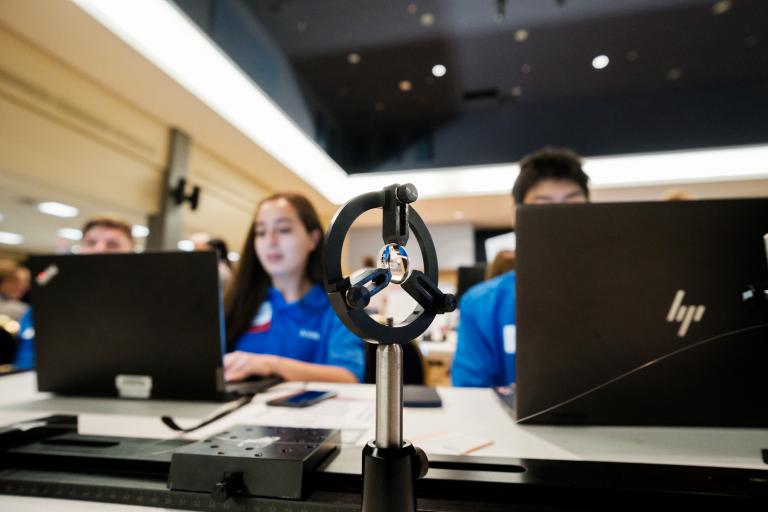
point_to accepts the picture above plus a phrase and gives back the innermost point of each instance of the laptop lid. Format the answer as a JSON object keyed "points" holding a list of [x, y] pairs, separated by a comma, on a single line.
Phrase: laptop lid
{"points": [[132, 325], [635, 313]]}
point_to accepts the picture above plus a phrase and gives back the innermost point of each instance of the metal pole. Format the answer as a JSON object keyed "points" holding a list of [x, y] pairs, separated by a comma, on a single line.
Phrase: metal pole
{"points": [[165, 225], [389, 396]]}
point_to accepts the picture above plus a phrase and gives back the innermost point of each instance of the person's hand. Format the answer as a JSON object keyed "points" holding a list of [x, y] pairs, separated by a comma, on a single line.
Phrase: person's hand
{"points": [[241, 365]]}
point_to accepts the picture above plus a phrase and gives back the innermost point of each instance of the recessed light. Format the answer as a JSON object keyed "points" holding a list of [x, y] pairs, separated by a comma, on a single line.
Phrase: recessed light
{"points": [[58, 209], [10, 238], [438, 70], [458, 215], [632, 55], [139, 231], [405, 85], [302, 26], [379, 106], [427, 19], [600, 62], [516, 91], [674, 74], [353, 58], [186, 245], [233, 256], [521, 35], [412, 8], [70, 233], [721, 7], [751, 41], [525, 69]]}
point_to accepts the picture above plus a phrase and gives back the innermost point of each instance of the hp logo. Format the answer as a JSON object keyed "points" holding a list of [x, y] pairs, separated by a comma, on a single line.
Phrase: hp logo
{"points": [[684, 314]]}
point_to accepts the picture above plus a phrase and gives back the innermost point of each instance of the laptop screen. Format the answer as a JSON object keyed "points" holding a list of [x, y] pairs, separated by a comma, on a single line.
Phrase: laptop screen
{"points": [[635, 313], [131, 325]]}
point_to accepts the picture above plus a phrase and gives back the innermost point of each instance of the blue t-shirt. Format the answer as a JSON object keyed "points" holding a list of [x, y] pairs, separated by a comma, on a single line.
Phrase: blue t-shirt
{"points": [[25, 351], [307, 330], [485, 355]]}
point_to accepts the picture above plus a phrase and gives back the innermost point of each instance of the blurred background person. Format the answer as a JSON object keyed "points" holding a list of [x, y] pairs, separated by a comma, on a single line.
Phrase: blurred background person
{"points": [[101, 235], [204, 242], [487, 339], [503, 262], [14, 284]]}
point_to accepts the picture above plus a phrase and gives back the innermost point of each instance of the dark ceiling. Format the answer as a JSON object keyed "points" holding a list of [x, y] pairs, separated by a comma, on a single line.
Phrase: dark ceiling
{"points": [[682, 74]]}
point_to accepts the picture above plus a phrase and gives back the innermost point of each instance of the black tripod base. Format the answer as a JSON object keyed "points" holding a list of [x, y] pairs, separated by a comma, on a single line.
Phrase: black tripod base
{"points": [[389, 477]]}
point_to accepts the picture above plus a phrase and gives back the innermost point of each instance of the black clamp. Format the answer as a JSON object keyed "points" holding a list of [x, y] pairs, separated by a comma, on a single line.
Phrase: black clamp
{"points": [[350, 296], [179, 194]]}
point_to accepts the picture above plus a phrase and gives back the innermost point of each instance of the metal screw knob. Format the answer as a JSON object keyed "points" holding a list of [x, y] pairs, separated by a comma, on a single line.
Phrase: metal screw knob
{"points": [[407, 193]]}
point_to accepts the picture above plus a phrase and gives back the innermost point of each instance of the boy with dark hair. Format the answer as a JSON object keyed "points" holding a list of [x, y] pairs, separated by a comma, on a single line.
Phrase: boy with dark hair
{"points": [[485, 355], [559, 173]]}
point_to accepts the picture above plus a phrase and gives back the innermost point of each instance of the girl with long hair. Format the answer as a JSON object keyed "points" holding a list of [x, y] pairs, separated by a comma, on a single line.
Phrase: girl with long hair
{"points": [[278, 318]]}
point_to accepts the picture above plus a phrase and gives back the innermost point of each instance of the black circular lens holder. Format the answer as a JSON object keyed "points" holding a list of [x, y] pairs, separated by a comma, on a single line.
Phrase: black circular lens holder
{"points": [[349, 296]]}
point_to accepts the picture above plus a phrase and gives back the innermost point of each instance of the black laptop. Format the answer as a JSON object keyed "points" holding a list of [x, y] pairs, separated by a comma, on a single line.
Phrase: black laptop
{"points": [[643, 313], [131, 325]]}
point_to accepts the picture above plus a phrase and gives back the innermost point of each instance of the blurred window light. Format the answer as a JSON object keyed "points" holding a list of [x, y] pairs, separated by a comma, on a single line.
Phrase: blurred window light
{"points": [[139, 231], [58, 209], [186, 245], [70, 233], [10, 238]]}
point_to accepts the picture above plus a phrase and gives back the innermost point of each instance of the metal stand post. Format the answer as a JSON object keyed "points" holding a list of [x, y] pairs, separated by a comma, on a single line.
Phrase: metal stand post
{"points": [[390, 465]]}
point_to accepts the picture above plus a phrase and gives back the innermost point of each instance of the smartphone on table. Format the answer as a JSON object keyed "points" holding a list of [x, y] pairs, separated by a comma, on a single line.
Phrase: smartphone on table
{"points": [[302, 398]]}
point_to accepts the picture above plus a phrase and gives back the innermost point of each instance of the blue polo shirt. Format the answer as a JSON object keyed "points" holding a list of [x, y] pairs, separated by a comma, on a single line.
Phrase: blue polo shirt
{"points": [[485, 354], [307, 330], [25, 351]]}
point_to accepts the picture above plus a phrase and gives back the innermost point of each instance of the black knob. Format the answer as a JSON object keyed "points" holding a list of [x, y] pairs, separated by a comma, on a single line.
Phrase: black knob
{"points": [[358, 297], [407, 193], [221, 492], [227, 487], [421, 463], [449, 303]]}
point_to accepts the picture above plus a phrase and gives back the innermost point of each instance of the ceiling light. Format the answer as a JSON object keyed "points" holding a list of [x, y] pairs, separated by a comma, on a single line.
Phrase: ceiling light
{"points": [[186, 245], [10, 238], [233, 256], [427, 19], [525, 69], [353, 58], [139, 231], [516, 91], [438, 70], [302, 26], [70, 233], [405, 85], [721, 7], [667, 168], [600, 62], [521, 35], [674, 74], [162, 34], [58, 209], [412, 8], [458, 215]]}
